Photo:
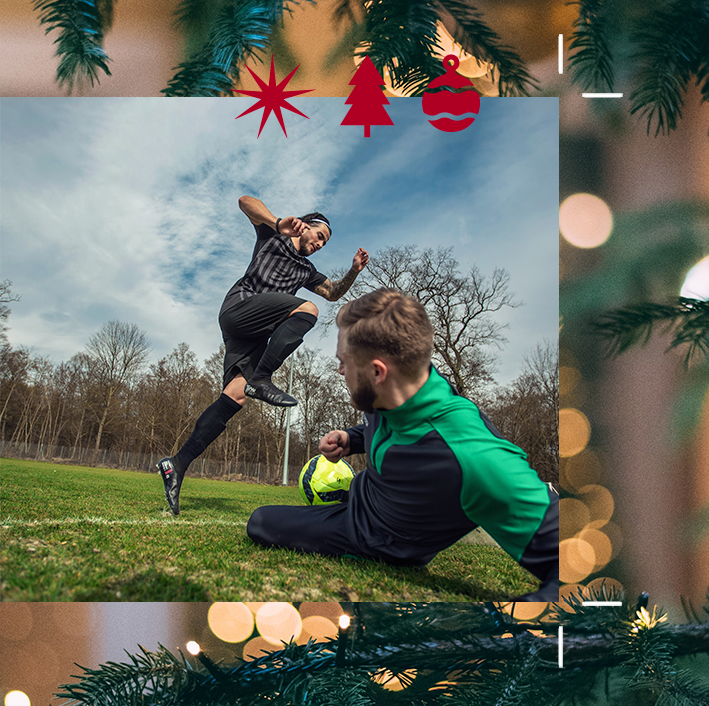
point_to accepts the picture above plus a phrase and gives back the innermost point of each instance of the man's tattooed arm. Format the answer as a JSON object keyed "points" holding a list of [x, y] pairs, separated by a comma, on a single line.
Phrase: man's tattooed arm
{"points": [[332, 291]]}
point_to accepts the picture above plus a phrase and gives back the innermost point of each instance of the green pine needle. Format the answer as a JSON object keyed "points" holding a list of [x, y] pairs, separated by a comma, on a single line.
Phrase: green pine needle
{"points": [[593, 62], [633, 325], [238, 31], [672, 43], [402, 37], [81, 25]]}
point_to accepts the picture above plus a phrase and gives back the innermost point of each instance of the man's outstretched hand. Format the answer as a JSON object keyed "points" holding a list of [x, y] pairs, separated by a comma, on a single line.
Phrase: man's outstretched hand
{"points": [[360, 260], [334, 445]]}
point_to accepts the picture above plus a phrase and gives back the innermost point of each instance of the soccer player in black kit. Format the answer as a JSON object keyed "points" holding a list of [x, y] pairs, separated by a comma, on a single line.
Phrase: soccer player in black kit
{"points": [[262, 323]]}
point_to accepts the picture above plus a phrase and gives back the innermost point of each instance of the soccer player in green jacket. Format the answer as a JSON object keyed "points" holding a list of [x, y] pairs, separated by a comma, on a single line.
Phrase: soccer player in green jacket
{"points": [[436, 466]]}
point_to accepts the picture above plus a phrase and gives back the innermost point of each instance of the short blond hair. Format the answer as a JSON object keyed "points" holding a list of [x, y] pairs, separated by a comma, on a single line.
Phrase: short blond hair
{"points": [[389, 323]]}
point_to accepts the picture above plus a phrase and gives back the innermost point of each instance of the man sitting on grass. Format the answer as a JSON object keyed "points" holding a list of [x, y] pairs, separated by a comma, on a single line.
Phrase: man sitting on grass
{"points": [[436, 467]]}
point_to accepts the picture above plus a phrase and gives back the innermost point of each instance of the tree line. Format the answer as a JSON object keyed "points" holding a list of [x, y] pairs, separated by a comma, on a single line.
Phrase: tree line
{"points": [[109, 396]]}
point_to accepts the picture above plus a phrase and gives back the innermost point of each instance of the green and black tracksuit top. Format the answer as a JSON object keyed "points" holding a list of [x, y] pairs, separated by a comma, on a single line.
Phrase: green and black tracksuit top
{"points": [[436, 469]]}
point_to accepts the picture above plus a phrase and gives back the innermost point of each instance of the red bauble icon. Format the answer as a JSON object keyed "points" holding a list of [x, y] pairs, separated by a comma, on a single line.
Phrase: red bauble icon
{"points": [[446, 101]]}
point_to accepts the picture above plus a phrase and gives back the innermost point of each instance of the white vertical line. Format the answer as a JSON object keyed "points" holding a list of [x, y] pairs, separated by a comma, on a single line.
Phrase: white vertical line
{"points": [[561, 647], [561, 53]]}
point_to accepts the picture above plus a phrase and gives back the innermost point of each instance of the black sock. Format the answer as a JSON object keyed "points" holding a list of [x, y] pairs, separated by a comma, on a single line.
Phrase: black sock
{"points": [[209, 426], [286, 338]]}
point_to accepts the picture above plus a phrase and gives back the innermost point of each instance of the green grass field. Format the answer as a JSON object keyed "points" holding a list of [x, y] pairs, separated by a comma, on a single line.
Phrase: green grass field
{"points": [[90, 534]]}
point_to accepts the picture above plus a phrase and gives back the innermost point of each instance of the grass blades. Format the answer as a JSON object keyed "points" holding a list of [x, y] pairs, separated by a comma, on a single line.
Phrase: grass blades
{"points": [[89, 534]]}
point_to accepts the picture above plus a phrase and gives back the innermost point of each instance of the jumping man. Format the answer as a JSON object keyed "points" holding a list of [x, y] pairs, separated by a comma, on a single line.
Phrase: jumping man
{"points": [[262, 323]]}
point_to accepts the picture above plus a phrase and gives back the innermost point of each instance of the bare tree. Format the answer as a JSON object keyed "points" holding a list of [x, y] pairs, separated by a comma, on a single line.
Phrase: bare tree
{"points": [[117, 352], [461, 307], [6, 296], [527, 411]]}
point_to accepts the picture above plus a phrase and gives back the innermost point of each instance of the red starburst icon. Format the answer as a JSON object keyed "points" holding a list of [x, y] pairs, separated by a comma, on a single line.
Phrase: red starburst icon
{"points": [[273, 97]]}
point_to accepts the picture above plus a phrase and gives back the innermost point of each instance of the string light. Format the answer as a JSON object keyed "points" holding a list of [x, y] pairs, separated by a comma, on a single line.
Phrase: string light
{"points": [[342, 640], [696, 283], [17, 698], [196, 651]]}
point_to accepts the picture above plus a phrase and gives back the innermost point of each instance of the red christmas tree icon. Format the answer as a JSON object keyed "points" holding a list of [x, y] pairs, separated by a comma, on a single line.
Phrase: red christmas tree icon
{"points": [[367, 99]]}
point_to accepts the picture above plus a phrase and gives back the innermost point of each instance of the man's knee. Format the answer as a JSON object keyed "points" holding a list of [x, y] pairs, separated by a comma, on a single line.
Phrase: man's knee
{"points": [[255, 526], [235, 389], [308, 308]]}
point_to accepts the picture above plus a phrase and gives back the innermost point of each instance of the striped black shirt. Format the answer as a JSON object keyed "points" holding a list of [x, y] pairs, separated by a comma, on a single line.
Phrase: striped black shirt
{"points": [[276, 266]]}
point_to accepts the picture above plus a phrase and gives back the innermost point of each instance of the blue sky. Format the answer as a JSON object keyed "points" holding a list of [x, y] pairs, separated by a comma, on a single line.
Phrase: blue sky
{"points": [[127, 208]]}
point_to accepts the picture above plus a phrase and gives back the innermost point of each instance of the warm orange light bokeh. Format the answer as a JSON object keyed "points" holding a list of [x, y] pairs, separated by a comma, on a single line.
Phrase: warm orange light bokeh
{"points": [[574, 432], [585, 220]]}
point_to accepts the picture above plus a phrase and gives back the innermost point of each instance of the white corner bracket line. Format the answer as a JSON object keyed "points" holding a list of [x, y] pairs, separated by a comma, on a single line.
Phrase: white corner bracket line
{"points": [[561, 53]]}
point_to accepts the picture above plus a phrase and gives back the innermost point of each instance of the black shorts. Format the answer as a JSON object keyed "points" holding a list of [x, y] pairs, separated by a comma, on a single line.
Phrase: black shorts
{"points": [[247, 326]]}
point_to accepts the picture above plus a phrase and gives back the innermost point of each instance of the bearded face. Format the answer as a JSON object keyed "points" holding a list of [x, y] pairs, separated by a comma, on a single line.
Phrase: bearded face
{"points": [[363, 394]]}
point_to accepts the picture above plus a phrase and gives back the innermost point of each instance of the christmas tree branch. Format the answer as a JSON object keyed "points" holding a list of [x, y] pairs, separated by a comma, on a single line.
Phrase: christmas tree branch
{"points": [[82, 24], [592, 62], [402, 38], [672, 45], [589, 649], [628, 326], [237, 32]]}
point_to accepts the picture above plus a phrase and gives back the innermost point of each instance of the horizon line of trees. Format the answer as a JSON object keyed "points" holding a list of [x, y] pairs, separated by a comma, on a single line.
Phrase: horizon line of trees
{"points": [[109, 397]]}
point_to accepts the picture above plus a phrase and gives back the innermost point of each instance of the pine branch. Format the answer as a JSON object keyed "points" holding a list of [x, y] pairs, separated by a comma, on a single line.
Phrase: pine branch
{"points": [[238, 31], [633, 325], [478, 39], [672, 42], [593, 62], [591, 650], [82, 24], [402, 37]]}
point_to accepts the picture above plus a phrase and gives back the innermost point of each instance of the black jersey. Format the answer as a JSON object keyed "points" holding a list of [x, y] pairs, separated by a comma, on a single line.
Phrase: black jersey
{"points": [[276, 266]]}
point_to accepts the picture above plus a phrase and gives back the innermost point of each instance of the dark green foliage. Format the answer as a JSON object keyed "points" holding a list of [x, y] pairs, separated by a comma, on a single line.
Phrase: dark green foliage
{"points": [[237, 32], [444, 654], [401, 36], [82, 24], [593, 62], [672, 45], [480, 41], [632, 325]]}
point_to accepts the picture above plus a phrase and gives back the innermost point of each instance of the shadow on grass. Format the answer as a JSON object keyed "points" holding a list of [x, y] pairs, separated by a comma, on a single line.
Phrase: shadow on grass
{"points": [[147, 586], [357, 575]]}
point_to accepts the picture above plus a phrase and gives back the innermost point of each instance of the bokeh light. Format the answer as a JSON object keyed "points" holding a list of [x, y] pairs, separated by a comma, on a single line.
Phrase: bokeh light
{"points": [[580, 470], [193, 647], [696, 283], [317, 628], [600, 504], [231, 622], [574, 432], [278, 622], [577, 559], [585, 220], [257, 647], [17, 698], [601, 546], [331, 610], [573, 517]]}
